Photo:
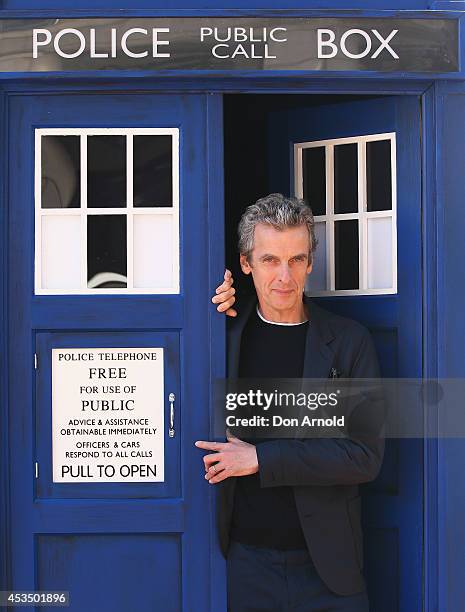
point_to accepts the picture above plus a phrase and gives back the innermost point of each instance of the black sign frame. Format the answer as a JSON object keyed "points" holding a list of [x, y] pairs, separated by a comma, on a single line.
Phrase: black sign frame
{"points": [[422, 44]]}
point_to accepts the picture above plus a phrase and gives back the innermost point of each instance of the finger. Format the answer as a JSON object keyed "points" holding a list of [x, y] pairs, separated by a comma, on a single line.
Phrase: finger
{"points": [[219, 477], [209, 445], [226, 305], [227, 274], [224, 295], [223, 287], [212, 473], [231, 312], [209, 460], [212, 470], [228, 282], [227, 294]]}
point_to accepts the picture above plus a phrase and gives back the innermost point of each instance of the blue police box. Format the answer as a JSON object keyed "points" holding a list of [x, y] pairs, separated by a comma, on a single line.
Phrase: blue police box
{"points": [[133, 139]]}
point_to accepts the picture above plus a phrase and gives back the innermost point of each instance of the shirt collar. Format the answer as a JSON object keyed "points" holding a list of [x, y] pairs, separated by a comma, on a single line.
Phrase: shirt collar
{"points": [[276, 322]]}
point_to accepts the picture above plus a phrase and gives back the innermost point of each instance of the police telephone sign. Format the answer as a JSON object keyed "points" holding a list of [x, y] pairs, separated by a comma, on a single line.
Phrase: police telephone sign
{"points": [[108, 415], [417, 43]]}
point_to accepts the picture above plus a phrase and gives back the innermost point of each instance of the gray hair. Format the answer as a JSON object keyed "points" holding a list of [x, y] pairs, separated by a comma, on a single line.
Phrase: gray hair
{"points": [[279, 212]]}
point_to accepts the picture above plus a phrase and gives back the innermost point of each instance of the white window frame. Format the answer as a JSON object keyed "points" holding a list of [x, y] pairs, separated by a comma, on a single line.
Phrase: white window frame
{"points": [[362, 215], [129, 211]]}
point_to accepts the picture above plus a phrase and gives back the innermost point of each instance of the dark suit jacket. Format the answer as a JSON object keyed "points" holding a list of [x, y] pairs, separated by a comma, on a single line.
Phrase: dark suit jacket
{"points": [[323, 472]]}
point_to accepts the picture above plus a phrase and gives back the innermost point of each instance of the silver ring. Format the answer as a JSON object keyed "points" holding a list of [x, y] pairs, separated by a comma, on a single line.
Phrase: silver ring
{"points": [[214, 468]]}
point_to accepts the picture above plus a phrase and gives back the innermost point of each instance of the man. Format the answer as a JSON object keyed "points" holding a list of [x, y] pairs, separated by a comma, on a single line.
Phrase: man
{"points": [[289, 509]]}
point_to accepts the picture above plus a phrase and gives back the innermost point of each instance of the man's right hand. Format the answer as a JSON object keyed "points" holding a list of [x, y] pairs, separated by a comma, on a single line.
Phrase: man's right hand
{"points": [[224, 296]]}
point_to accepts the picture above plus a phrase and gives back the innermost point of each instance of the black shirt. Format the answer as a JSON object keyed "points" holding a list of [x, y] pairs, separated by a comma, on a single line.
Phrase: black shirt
{"points": [[268, 516]]}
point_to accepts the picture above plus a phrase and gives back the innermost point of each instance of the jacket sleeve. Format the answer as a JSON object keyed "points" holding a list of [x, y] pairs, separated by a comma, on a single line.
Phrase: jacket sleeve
{"points": [[329, 461]]}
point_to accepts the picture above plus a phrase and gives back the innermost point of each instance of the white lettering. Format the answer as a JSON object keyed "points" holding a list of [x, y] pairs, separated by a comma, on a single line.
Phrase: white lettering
{"points": [[240, 35], [113, 42], [329, 42], [385, 44], [58, 37], [274, 38], [362, 33], [93, 46], [205, 32], [326, 38], [239, 50], [39, 43], [215, 51], [124, 45], [225, 38], [157, 43]]}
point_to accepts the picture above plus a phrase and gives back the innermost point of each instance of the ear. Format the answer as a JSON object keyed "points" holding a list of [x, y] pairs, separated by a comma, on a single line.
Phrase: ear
{"points": [[310, 267], [246, 268]]}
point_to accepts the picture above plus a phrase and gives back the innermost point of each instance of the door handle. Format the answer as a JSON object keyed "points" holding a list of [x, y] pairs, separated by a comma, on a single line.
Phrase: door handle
{"points": [[171, 399]]}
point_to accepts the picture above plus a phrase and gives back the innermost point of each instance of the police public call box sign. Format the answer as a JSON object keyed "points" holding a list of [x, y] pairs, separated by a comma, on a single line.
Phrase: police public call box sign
{"points": [[384, 44], [107, 415]]}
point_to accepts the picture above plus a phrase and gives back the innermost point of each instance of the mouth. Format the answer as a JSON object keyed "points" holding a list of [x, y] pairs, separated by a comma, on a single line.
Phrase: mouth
{"points": [[283, 291]]}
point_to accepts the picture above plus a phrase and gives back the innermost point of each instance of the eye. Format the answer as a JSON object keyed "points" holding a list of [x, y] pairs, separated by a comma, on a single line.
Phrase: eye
{"points": [[299, 259]]}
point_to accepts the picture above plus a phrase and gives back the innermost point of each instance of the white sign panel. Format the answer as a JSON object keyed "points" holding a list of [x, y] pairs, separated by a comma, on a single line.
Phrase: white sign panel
{"points": [[107, 415]]}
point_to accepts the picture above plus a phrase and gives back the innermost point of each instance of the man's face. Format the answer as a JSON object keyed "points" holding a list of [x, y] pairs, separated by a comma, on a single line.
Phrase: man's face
{"points": [[279, 265]]}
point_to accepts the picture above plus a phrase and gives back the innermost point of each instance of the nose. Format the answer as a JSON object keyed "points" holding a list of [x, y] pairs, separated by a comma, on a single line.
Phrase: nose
{"points": [[284, 273]]}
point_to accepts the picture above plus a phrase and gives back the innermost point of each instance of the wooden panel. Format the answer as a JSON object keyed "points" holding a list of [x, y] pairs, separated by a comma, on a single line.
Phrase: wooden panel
{"points": [[393, 503], [112, 572]]}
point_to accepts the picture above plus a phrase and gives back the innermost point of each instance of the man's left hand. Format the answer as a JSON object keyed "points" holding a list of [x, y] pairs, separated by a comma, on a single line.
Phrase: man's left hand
{"points": [[232, 458]]}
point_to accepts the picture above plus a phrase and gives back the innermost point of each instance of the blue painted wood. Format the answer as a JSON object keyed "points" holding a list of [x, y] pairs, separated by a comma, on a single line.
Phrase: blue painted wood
{"points": [[430, 344], [160, 312], [249, 78], [93, 516], [93, 568], [90, 320], [272, 8], [198, 83], [448, 5], [450, 546], [217, 330], [393, 504], [105, 7], [4, 442], [450, 149]]}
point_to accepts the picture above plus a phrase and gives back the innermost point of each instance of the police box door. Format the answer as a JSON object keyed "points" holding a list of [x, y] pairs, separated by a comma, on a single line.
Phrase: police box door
{"points": [[358, 163], [109, 368]]}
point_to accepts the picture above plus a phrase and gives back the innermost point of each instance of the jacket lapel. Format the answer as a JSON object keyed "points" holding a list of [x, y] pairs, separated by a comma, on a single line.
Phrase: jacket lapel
{"points": [[235, 334], [318, 355], [235, 329]]}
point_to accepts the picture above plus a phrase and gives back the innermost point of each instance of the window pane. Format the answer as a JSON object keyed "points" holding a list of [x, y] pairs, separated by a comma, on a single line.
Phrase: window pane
{"points": [[61, 252], [153, 171], [379, 253], [61, 175], [346, 254], [316, 281], [106, 171], [379, 192], [345, 178], [314, 179], [153, 251], [106, 251]]}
